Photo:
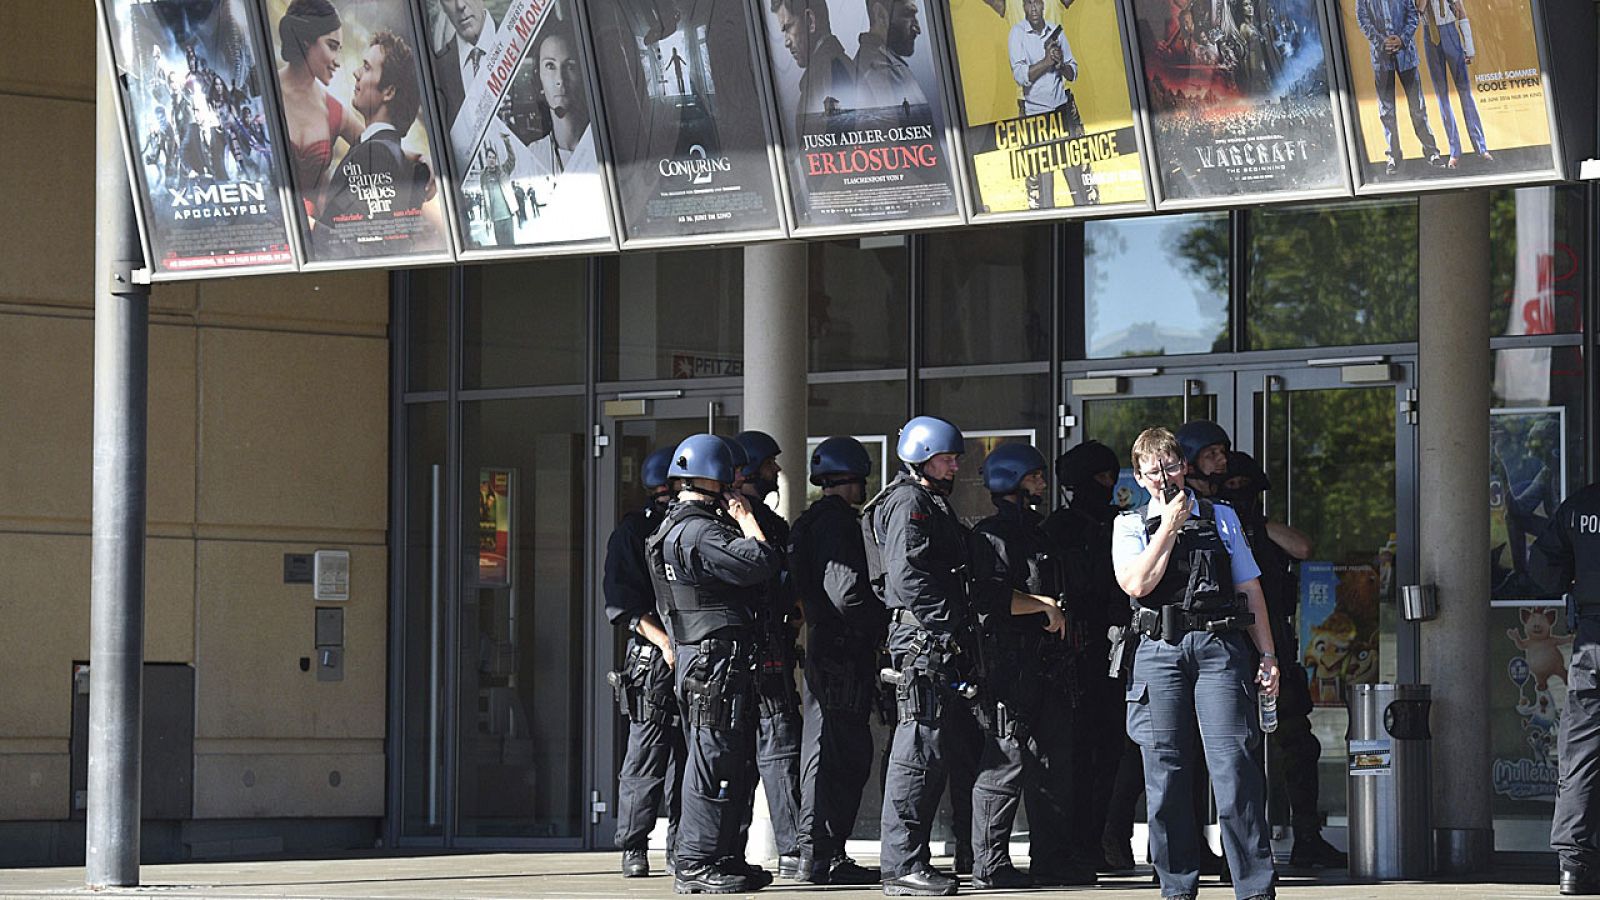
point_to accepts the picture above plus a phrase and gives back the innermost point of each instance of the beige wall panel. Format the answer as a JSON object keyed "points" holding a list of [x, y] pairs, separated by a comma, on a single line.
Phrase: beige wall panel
{"points": [[49, 216], [171, 439], [169, 601], [293, 430], [230, 785], [180, 298], [354, 302], [44, 633], [253, 629], [63, 65], [35, 785], [46, 446]]}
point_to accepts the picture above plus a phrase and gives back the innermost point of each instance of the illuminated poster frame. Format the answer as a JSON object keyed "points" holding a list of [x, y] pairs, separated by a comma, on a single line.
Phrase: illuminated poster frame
{"points": [[153, 138]]}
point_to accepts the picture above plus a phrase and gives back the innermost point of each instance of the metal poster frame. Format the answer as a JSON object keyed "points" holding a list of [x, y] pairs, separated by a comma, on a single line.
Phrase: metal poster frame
{"points": [[136, 175], [1352, 114], [766, 75], [773, 143], [588, 246], [969, 187], [441, 173], [1152, 162]]}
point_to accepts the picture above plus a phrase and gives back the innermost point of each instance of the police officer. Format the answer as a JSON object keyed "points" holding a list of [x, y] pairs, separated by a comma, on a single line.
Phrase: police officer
{"points": [[845, 625], [1294, 747], [778, 724], [1026, 701], [1566, 559], [709, 560], [652, 766], [1184, 560], [1080, 530], [917, 559]]}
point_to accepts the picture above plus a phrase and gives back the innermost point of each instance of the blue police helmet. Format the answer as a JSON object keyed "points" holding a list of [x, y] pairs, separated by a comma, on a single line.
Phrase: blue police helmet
{"points": [[758, 448], [736, 453], [654, 471], [702, 456], [1008, 464], [1196, 436], [925, 437], [839, 455]]}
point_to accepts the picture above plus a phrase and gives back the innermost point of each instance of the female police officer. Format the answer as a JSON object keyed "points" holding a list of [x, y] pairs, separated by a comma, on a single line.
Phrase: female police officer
{"points": [[1184, 562]]}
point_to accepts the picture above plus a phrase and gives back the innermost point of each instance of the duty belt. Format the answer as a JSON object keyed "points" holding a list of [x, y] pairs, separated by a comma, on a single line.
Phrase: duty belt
{"points": [[1171, 623]]}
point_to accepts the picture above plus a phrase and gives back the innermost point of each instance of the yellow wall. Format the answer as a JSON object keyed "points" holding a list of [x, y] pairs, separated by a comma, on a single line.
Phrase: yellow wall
{"points": [[268, 435]]}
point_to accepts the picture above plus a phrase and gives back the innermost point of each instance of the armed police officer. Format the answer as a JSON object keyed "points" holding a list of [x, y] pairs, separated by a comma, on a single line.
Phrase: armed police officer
{"points": [[1080, 530], [1566, 559], [1278, 549], [778, 722], [1026, 700], [845, 625], [652, 766], [709, 560], [1184, 561], [917, 558]]}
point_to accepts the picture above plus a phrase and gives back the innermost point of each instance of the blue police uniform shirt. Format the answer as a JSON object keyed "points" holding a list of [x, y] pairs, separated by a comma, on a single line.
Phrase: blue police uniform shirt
{"points": [[1129, 538]]}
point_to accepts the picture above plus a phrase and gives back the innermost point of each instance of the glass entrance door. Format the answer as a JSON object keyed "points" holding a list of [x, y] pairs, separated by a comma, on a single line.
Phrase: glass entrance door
{"points": [[1113, 407], [631, 427]]}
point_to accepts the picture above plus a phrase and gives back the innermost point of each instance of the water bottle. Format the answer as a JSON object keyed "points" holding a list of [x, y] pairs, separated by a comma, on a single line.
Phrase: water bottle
{"points": [[1268, 708]]}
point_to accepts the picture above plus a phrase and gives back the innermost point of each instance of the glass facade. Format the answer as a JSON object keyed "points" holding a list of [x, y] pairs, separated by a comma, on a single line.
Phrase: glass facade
{"points": [[1161, 318]]}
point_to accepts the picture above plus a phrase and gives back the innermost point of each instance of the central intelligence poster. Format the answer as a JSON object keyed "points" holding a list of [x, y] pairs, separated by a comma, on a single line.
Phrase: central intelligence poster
{"points": [[860, 110], [205, 164], [359, 145], [684, 119], [1240, 98], [513, 83], [1048, 115]]}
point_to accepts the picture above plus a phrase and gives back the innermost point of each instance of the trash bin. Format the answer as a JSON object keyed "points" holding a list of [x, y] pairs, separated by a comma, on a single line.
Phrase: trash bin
{"points": [[1390, 789]]}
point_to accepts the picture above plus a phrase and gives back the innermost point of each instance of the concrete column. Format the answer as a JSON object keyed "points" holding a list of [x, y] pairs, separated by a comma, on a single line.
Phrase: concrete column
{"points": [[1453, 375], [775, 292]]}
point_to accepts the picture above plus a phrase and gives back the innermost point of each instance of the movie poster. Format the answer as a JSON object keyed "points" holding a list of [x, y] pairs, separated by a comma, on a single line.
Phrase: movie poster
{"points": [[861, 113], [1527, 482], [1240, 99], [1531, 649], [1048, 117], [204, 163], [1338, 628], [1467, 77], [515, 97], [494, 528], [360, 157], [684, 119]]}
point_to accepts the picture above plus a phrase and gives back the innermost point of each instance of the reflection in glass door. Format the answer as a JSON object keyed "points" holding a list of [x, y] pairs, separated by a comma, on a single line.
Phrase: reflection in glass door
{"points": [[632, 426]]}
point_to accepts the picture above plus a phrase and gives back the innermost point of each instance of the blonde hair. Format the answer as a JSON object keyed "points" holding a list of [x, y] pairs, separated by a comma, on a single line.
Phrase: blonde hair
{"points": [[1155, 443]]}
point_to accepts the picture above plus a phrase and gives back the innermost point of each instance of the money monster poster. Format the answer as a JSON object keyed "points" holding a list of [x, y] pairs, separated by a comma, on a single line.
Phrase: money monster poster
{"points": [[860, 109], [366, 179], [686, 127], [1048, 116], [204, 162], [1240, 100], [1446, 90], [517, 102]]}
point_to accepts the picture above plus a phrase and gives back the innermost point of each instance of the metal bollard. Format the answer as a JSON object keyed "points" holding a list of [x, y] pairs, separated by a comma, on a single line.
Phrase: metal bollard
{"points": [[1390, 785]]}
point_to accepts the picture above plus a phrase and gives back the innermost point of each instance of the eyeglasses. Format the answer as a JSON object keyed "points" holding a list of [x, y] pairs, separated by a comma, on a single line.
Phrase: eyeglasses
{"points": [[1170, 470]]}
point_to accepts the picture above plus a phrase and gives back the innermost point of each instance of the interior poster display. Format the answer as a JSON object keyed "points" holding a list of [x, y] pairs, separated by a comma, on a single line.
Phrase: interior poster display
{"points": [[204, 164], [1470, 79], [1240, 99], [1047, 110], [365, 178], [494, 527], [515, 97], [1338, 628], [1531, 650], [684, 120], [860, 107], [1527, 482]]}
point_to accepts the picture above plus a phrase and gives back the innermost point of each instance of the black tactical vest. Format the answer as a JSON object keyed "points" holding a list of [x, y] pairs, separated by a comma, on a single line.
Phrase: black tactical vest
{"points": [[692, 612], [1199, 574]]}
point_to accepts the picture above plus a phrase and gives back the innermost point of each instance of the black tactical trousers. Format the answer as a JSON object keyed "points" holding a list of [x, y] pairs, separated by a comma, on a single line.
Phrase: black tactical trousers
{"points": [[923, 754], [1099, 742], [1294, 751], [652, 770], [1036, 765], [716, 776], [777, 761], [836, 758], [1575, 829]]}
